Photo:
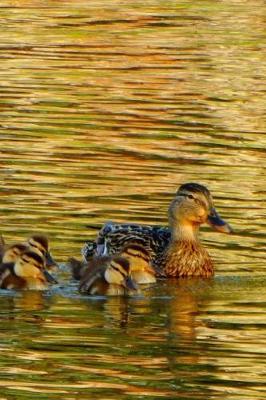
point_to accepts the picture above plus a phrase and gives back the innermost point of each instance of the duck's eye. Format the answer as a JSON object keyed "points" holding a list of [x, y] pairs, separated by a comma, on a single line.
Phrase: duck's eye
{"points": [[190, 196]]}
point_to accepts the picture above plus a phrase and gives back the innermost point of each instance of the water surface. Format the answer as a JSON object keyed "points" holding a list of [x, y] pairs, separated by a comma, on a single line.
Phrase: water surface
{"points": [[106, 108]]}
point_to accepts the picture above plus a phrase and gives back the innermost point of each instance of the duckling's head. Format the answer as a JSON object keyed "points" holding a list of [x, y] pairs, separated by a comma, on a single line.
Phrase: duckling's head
{"points": [[30, 265], [13, 252], [41, 244], [118, 273], [193, 206]]}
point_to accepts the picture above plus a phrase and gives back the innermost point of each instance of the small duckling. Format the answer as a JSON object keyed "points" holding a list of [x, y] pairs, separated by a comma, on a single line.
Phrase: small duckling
{"points": [[107, 276], [139, 259], [38, 243], [26, 272], [13, 252]]}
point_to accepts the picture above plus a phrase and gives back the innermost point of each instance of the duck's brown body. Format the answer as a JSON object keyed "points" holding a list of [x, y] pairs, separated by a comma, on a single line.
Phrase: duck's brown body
{"points": [[186, 259]]}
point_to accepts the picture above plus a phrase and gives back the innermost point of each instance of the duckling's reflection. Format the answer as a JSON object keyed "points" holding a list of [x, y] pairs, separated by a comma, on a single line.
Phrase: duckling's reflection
{"points": [[117, 309], [30, 300]]}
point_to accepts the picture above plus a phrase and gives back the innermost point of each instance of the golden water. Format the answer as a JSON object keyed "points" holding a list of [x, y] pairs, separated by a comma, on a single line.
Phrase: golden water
{"points": [[106, 108]]}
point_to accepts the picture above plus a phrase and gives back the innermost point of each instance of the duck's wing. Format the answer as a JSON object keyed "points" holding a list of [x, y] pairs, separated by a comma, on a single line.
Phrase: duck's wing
{"points": [[113, 237]]}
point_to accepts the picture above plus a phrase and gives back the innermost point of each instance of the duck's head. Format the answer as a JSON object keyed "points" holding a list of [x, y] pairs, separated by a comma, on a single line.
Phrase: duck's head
{"points": [[193, 206], [41, 244], [118, 273], [12, 253]]}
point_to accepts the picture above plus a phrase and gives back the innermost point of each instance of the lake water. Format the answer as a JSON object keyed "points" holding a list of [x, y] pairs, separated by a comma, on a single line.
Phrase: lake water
{"points": [[106, 108]]}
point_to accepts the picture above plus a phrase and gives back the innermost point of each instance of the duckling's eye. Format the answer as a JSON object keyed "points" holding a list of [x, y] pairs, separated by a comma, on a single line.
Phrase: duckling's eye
{"points": [[190, 196]]}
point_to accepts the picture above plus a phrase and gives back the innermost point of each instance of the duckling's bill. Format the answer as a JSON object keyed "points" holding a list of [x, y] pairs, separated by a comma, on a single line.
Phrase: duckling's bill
{"points": [[50, 262], [49, 277]]}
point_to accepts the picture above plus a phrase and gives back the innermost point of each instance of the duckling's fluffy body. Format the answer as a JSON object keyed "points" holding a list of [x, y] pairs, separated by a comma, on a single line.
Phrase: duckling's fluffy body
{"points": [[106, 276], [26, 272], [134, 259], [140, 263], [38, 243]]}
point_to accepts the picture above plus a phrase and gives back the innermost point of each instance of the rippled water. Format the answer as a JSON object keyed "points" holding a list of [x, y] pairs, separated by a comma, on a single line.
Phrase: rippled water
{"points": [[106, 108]]}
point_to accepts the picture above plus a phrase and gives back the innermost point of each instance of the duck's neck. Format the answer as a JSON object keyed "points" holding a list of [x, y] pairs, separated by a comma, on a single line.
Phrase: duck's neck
{"points": [[184, 232]]}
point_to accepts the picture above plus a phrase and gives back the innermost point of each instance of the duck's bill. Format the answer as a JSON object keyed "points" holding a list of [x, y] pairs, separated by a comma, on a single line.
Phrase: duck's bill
{"points": [[50, 262], [217, 223], [49, 277], [130, 284]]}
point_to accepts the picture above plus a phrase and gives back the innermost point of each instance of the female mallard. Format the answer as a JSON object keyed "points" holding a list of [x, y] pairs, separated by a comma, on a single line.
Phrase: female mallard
{"points": [[26, 272], [175, 251]]}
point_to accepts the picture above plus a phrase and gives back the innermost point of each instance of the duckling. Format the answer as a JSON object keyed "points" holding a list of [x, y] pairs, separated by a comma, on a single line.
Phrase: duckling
{"points": [[37, 243], [139, 261], [107, 276], [9, 254], [26, 272], [173, 251]]}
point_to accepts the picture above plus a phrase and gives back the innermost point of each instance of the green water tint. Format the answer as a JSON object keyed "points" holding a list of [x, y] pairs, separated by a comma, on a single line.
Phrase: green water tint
{"points": [[106, 108]]}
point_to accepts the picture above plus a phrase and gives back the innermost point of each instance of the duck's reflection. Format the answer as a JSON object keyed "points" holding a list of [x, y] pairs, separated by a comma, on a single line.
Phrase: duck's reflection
{"points": [[176, 302], [162, 327]]}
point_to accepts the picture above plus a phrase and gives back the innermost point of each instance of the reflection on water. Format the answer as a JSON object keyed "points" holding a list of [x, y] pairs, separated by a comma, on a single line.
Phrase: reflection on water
{"points": [[106, 107], [197, 339]]}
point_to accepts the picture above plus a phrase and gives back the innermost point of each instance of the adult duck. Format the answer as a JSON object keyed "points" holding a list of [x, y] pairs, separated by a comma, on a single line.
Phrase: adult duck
{"points": [[176, 250]]}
